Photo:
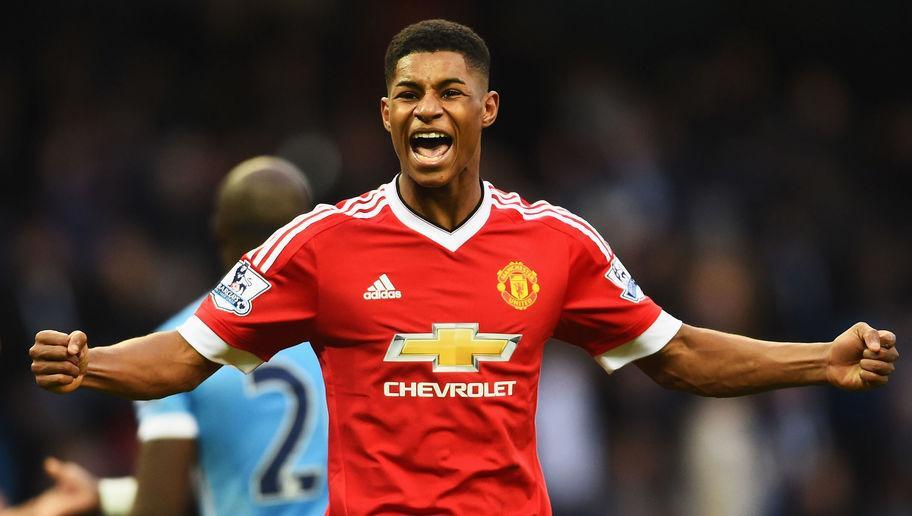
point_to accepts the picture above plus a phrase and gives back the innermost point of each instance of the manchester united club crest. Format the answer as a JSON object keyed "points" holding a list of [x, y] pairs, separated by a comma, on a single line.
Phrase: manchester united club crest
{"points": [[518, 285]]}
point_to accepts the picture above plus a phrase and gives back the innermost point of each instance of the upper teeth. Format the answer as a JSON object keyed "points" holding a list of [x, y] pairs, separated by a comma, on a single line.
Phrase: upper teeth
{"points": [[430, 135]]}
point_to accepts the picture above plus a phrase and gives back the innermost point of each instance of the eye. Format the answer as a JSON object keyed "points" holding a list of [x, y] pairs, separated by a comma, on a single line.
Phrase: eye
{"points": [[407, 95], [451, 93]]}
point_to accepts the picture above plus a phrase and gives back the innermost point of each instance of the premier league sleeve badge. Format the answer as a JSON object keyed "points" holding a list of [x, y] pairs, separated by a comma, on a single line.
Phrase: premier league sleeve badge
{"points": [[237, 290]]}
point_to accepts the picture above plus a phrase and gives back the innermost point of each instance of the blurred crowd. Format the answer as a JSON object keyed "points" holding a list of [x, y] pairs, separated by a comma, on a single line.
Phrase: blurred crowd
{"points": [[745, 161]]}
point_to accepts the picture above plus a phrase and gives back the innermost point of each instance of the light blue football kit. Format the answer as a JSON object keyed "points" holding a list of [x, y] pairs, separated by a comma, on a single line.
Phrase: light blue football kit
{"points": [[261, 438]]}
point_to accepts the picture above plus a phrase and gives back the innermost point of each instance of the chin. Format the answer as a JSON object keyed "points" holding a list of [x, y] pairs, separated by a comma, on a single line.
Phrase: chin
{"points": [[430, 178]]}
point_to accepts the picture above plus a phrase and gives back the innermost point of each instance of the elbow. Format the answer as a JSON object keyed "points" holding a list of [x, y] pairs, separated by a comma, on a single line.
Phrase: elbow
{"points": [[193, 377], [666, 379], [676, 371], [682, 365], [189, 371], [669, 380], [707, 387], [161, 390]]}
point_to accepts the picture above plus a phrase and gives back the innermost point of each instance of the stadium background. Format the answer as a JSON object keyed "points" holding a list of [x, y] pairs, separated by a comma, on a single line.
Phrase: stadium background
{"points": [[744, 159]]}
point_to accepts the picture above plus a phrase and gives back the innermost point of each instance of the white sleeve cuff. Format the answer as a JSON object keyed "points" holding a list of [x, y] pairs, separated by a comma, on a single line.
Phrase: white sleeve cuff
{"points": [[211, 346], [116, 495], [653, 339], [167, 426]]}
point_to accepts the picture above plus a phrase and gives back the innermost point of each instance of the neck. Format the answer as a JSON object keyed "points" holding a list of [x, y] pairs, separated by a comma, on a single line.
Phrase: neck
{"points": [[446, 206]]}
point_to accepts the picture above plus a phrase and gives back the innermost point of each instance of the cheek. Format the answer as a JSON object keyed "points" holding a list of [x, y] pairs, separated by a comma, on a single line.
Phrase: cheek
{"points": [[398, 115], [470, 132], [398, 126]]}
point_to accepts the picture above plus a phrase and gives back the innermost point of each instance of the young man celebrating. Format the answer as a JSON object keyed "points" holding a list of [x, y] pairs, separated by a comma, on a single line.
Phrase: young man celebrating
{"points": [[428, 302]]}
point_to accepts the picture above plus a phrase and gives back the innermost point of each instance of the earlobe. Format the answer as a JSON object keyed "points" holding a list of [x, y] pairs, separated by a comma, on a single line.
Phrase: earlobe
{"points": [[384, 113]]}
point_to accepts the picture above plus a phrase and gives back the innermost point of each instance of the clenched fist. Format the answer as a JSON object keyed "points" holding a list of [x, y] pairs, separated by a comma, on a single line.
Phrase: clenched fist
{"points": [[59, 360], [862, 357]]}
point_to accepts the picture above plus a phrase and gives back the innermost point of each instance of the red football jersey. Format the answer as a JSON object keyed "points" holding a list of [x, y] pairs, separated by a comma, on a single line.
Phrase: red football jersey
{"points": [[431, 341]]}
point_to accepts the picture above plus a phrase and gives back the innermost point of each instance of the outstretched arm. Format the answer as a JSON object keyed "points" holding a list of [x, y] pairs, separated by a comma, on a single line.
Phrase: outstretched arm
{"points": [[152, 366], [712, 363]]}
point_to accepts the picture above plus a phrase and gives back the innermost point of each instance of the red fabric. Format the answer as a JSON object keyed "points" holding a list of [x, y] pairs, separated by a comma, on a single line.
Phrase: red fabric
{"points": [[433, 455]]}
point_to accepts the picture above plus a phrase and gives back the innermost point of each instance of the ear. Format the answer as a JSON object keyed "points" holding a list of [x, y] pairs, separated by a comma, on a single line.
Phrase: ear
{"points": [[385, 113], [491, 105]]}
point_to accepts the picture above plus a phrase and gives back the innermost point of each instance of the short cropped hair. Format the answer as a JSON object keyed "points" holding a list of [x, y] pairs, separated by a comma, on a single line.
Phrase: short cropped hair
{"points": [[435, 36]]}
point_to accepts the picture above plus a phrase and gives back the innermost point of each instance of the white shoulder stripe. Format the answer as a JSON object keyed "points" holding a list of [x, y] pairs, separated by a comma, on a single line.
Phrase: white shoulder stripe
{"points": [[373, 204], [264, 249], [592, 231], [260, 252], [538, 206], [513, 197], [542, 209], [503, 196], [363, 198], [256, 256], [372, 209], [277, 250]]}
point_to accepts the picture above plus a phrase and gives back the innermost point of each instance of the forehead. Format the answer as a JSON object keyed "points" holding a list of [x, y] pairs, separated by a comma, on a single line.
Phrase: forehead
{"points": [[431, 67]]}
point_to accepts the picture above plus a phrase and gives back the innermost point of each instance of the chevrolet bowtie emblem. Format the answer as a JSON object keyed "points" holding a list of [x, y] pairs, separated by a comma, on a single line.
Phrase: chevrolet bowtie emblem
{"points": [[452, 347]]}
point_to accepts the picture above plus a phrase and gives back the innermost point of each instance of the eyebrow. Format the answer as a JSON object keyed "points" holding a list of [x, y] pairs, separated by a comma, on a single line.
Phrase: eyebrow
{"points": [[440, 84]]}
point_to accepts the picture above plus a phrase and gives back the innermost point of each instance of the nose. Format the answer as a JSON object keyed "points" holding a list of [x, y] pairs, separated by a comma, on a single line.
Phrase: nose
{"points": [[428, 108]]}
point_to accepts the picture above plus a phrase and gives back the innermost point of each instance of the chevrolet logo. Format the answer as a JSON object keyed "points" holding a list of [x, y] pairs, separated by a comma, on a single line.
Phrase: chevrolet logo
{"points": [[453, 347]]}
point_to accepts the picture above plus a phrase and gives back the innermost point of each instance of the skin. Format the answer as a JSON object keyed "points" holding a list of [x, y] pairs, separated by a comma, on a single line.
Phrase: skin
{"points": [[445, 192], [712, 363], [75, 492], [256, 197], [163, 477], [438, 91]]}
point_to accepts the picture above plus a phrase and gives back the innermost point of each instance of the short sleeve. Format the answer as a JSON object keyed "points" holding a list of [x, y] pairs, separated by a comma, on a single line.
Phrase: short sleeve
{"points": [[606, 312], [255, 311], [167, 418]]}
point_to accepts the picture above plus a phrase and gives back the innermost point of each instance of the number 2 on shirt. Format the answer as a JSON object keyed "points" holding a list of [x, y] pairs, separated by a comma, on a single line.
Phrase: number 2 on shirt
{"points": [[275, 480]]}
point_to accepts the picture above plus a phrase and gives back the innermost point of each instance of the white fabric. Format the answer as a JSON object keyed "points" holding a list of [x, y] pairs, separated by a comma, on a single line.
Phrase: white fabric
{"points": [[650, 341], [168, 426], [449, 240], [116, 495], [211, 346]]}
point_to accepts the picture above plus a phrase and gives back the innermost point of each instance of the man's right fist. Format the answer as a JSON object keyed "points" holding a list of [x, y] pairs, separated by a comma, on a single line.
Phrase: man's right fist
{"points": [[59, 360]]}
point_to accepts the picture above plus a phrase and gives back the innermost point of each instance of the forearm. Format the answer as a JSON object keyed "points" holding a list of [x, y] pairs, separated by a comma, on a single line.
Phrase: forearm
{"points": [[164, 479], [712, 363], [152, 366]]}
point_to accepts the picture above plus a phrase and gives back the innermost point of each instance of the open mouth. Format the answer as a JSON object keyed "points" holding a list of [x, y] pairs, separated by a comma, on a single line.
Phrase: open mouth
{"points": [[430, 146]]}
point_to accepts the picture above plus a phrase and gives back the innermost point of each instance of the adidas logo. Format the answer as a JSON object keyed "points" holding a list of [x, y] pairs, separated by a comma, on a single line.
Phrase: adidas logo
{"points": [[382, 289]]}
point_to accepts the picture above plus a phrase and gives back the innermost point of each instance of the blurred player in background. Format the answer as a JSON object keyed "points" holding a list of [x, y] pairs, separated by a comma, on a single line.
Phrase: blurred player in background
{"points": [[259, 440], [428, 302]]}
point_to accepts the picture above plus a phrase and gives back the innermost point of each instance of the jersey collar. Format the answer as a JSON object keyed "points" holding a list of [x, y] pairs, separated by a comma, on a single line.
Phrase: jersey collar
{"points": [[451, 240]]}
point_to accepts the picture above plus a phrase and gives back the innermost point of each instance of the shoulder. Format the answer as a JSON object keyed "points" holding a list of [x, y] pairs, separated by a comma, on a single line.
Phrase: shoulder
{"points": [[290, 238], [557, 218]]}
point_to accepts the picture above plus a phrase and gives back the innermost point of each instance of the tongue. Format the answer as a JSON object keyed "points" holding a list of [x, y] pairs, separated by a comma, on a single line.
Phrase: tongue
{"points": [[432, 152]]}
